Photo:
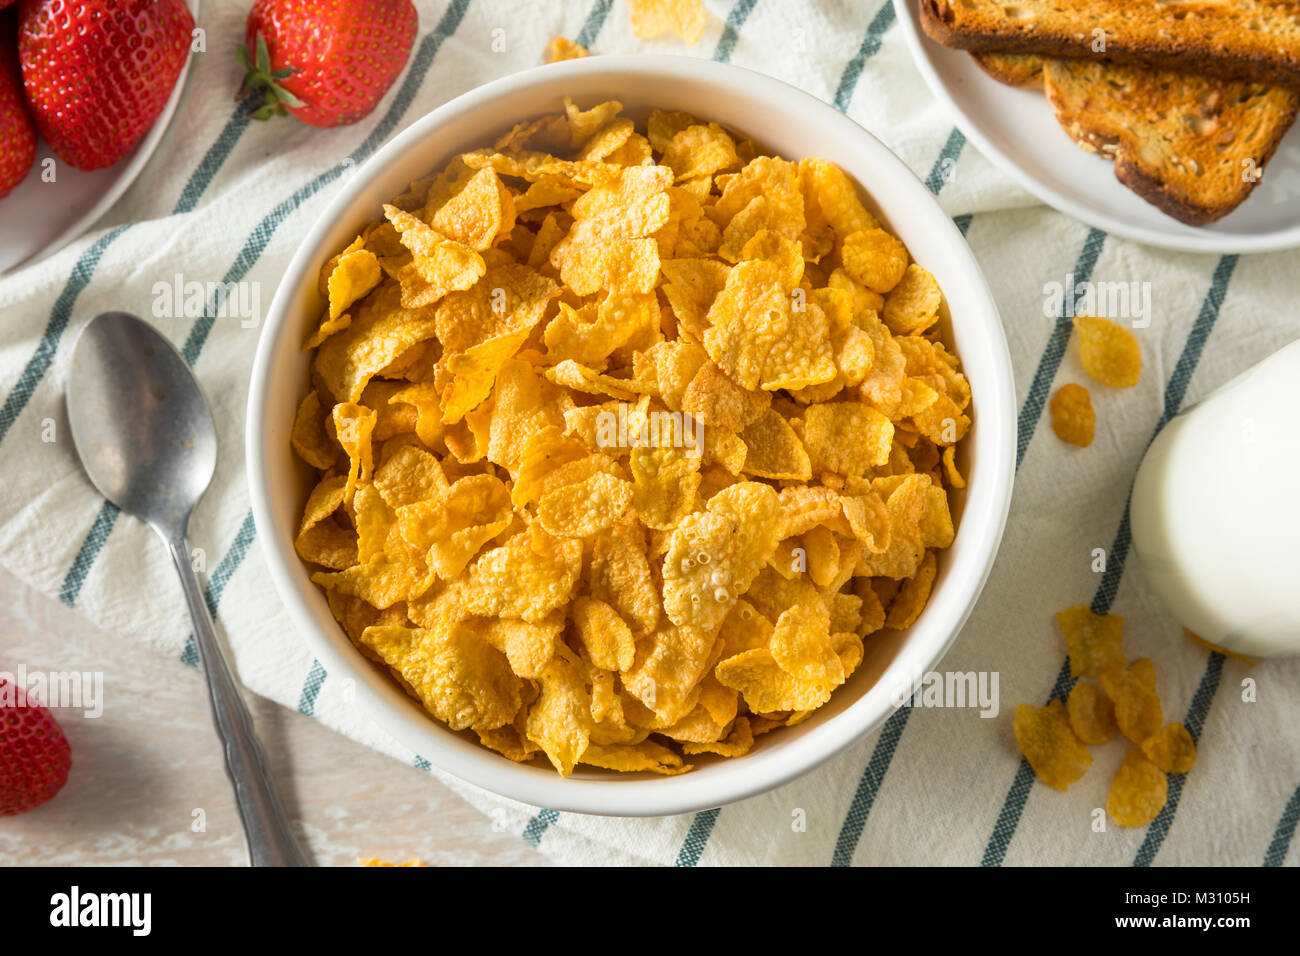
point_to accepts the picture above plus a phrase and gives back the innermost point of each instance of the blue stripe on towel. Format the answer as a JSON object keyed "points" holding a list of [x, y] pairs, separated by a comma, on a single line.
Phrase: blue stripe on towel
{"points": [[1195, 723], [538, 825], [868, 786], [595, 20], [1281, 842], [43, 357], [731, 29], [871, 40], [940, 172], [697, 838], [311, 689]]}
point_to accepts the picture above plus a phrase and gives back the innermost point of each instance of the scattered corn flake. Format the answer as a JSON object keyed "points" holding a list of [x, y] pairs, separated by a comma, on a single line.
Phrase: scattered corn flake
{"points": [[1137, 705], [1137, 792], [1092, 715], [562, 48], [1047, 742], [652, 18], [1171, 749], [1196, 638], [1095, 642], [1073, 418], [375, 861], [1108, 352]]}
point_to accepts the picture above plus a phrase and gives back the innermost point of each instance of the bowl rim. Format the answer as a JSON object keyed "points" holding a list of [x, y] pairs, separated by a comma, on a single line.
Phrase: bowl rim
{"points": [[983, 516]]}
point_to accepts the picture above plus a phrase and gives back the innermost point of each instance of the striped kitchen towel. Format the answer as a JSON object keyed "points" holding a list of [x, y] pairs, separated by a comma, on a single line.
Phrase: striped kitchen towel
{"points": [[227, 200]]}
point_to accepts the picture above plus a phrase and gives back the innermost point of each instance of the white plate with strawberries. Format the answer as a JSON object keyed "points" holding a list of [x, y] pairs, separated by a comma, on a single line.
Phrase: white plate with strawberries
{"points": [[56, 201], [1017, 130]]}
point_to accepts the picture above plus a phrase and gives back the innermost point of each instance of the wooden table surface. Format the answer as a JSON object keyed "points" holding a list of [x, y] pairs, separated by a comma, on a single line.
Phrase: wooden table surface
{"points": [[142, 770]]}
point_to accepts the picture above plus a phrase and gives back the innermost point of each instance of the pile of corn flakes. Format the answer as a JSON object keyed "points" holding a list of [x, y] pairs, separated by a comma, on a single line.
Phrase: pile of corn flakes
{"points": [[627, 439], [1055, 738]]}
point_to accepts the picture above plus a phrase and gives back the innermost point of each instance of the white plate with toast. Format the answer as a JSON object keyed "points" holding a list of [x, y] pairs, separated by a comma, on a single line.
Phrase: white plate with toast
{"points": [[1017, 129]]}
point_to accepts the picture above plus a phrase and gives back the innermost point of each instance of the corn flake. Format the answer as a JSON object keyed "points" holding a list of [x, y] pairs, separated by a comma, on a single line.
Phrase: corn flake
{"points": [[1095, 642], [1171, 749], [1073, 418], [1108, 352], [1092, 715], [1137, 706], [1047, 742], [1137, 792]]}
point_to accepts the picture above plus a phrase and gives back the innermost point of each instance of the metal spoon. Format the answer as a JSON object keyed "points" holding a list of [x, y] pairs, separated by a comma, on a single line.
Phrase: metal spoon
{"points": [[146, 439]]}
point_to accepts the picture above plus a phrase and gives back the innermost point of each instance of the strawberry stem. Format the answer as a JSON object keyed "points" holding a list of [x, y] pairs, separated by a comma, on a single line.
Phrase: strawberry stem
{"points": [[260, 78]]}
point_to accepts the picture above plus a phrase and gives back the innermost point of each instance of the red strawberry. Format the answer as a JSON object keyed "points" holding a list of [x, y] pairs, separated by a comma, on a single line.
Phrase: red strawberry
{"points": [[98, 72], [34, 754], [328, 62], [17, 133]]}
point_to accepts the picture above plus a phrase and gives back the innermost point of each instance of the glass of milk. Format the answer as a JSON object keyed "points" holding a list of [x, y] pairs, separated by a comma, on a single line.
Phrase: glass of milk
{"points": [[1216, 512]]}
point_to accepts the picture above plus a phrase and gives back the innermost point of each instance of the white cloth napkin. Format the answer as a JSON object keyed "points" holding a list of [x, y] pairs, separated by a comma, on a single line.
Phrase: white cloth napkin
{"points": [[223, 198]]}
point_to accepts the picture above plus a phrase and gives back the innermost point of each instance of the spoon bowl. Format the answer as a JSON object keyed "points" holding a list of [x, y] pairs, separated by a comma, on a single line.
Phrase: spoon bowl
{"points": [[140, 424]]}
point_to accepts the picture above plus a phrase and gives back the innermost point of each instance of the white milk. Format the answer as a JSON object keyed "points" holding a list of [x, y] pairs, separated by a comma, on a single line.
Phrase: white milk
{"points": [[1216, 512]]}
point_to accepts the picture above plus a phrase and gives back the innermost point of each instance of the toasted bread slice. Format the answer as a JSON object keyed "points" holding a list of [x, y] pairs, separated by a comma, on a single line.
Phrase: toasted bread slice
{"points": [[1191, 145], [1247, 39], [1024, 70]]}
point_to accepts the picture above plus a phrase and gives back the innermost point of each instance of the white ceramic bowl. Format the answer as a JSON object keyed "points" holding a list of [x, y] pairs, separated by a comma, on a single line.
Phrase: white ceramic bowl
{"points": [[783, 120]]}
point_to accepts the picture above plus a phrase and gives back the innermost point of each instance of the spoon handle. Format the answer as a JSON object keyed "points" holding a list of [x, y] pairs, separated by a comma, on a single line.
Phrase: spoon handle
{"points": [[270, 842]]}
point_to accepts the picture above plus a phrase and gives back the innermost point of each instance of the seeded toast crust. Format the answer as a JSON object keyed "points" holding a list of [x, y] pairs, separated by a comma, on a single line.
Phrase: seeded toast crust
{"points": [[1247, 39], [1180, 141]]}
